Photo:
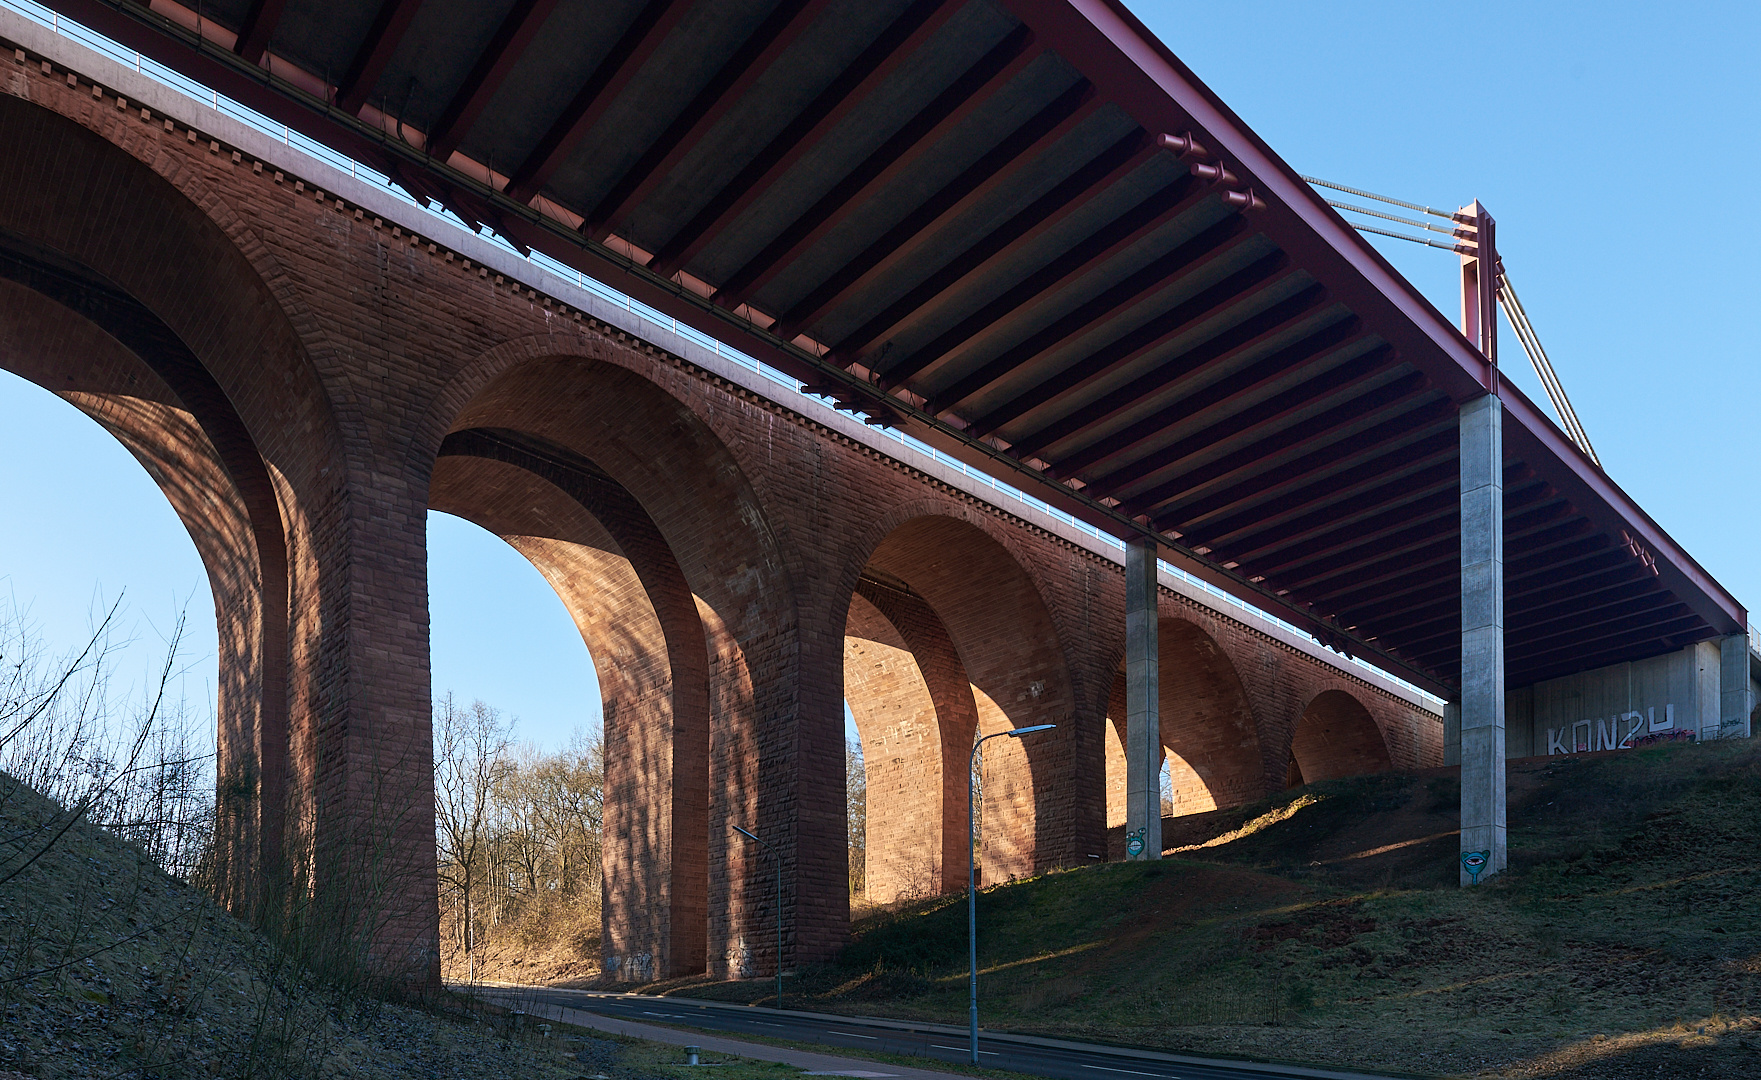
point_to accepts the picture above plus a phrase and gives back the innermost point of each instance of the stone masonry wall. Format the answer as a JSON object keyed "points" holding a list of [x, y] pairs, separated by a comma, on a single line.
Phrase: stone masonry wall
{"points": [[345, 348]]}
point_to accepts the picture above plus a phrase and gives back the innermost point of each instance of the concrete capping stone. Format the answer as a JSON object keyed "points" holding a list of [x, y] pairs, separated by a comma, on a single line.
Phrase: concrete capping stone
{"points": [[155, 98]]}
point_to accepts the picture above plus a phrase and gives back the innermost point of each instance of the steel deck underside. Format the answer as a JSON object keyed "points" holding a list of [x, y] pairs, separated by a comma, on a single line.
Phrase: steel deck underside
{"points": [[955, 215]]}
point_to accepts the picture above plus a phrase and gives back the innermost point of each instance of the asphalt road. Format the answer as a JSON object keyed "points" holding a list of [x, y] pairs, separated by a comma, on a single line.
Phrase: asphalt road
{"points": [[1041, 1057]]}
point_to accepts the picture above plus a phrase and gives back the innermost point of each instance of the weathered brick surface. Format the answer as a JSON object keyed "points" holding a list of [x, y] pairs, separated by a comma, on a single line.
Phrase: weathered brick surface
{"points": [[736, 568]]}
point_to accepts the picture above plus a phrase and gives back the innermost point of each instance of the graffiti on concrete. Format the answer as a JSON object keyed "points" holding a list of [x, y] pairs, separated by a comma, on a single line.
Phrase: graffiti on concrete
{"points": [[1622, 731]]}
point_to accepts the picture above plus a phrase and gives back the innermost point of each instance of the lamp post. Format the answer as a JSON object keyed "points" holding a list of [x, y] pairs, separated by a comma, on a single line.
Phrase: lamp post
{"points": [[972, 873], [779, 858]]}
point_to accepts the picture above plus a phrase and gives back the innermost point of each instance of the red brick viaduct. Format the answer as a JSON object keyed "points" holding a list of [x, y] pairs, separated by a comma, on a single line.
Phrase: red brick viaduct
{"points": [[305, 376]]}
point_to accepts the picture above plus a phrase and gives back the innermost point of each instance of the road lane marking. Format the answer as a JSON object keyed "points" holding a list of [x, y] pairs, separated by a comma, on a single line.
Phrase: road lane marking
{"points": [[1133, 1072], [939, 1046], [850, 1034]]}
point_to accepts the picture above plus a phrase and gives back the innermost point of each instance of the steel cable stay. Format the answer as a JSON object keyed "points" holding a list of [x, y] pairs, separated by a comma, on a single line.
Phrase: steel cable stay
{"points": [[1519, 318], [1506, 293]]}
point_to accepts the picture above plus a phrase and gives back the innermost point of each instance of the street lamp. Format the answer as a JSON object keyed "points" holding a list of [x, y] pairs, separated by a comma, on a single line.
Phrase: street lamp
{"points": [[779, 858], [972, 872]]}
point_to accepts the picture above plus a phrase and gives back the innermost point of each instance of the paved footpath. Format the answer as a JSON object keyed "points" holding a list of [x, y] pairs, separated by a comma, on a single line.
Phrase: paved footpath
{"points": [[1059, 1059]]}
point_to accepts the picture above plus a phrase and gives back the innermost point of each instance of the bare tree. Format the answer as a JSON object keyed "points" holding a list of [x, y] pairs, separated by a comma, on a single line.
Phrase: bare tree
{"points": [[856, 813], [470, 756], [568, 791]]}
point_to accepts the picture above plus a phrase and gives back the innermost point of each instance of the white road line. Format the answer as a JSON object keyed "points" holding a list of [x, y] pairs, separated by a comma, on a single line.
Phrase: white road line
{"points": [[851, 1035], [1132, 1072], [939, 1046]]}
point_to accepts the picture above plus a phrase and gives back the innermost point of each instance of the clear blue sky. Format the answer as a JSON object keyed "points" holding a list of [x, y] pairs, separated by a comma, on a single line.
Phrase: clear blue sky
{"points": [[1615, 143]]}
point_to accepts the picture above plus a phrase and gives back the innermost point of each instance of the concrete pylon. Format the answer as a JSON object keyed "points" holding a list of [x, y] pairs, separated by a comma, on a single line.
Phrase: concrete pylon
{"points": [[1482, 634], [1143, 713], [1736, 700]]}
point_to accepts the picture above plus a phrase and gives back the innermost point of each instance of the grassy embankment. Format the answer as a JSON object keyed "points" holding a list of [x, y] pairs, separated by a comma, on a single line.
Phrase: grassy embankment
{"points": [[109, 967], [1325, 925]]}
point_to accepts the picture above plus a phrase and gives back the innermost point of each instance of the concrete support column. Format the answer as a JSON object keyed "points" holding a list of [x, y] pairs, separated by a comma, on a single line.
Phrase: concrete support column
{"points": [[1143, 713], [1482, 632], [1735, 698], [1452, 733]]}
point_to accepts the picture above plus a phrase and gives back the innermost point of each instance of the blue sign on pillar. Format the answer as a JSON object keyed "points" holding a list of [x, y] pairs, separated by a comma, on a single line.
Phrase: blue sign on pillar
{"points": [[1474, 862]]}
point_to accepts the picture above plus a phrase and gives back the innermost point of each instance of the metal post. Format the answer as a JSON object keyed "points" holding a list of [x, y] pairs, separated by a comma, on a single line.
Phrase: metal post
{"points": [[972, 898], [778, 856], [972, 877]]}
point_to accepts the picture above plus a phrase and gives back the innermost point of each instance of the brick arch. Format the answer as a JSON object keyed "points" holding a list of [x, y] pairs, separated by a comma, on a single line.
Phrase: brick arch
{"points": [[1209, 737], [914, 711], [1335, 737], [677, 470], [146, 230], [204, 464], [1004, 637], [622, 586]]}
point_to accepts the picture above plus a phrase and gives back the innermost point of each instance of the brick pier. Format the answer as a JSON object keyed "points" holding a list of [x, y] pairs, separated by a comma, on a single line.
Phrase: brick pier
{"points": [[307, 366]]}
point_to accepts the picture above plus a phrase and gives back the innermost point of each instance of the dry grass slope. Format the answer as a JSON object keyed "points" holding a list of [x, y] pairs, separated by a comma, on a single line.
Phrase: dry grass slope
{"points": [[1323, 926], [109, 967]]}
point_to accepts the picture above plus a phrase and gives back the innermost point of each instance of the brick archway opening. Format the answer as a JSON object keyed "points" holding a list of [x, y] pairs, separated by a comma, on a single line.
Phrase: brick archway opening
{"points": [[1335, 737], [1209, 739], [914, 712], [984, 643], [740, 759], [621, 583], [116, 362]]}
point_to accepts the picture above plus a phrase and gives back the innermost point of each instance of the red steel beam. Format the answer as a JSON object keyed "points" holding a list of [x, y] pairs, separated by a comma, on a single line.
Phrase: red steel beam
{"points": [[1362, 545], [1431, 562], [1440, 624], [518, 27], [1363, 549], [1206, 249], [1636, 644], [1252, 538], [896, 44], [1143, 434], [1107, 43], [645, 34], [1427, 516], [762, 48], [259, 26], [1574, 645], [1399, 395], [1565, 662], [1339, 383], [1299, 490], [1249, 334], [952, 107], [1155, 211], [382, 40], [1325, 474], [1005, 241], [1422, 592], [1619, 602], [1040, 134]]}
